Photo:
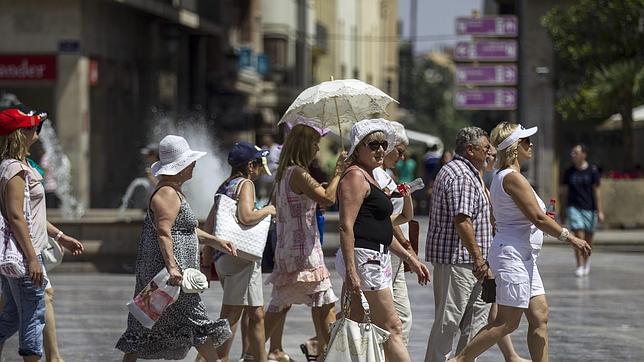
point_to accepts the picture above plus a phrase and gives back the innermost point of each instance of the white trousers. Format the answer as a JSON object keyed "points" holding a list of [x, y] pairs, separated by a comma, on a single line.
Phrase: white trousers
{"points": [[401, 297]]}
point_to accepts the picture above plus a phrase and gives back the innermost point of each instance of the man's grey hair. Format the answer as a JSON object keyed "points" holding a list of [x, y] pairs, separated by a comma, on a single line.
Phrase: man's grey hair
{"points": [[468, 136]]}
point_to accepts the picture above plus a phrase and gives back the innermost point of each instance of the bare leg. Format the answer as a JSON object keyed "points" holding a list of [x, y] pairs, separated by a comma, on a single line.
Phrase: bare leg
{"points": [[507, 320], [505, 343], [207, 350], [322, 318], [578, 256], [383, 314], [50, 340], [274, 330], [245, 330], [586, 259], [255, 333], [233, 314], [537, 315], [129, 357]]}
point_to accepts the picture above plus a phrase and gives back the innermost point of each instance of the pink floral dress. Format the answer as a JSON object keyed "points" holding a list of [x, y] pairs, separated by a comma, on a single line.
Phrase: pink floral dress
{"points": [[299, 275]]}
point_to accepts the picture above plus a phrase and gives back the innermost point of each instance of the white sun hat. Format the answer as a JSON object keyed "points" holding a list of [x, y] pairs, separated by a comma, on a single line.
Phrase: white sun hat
{"points": [[367, 126], [174, 156], [518, 133]]}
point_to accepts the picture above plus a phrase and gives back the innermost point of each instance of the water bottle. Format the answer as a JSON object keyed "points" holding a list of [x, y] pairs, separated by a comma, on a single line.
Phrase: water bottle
{"points": [[551, 210], [415, 185]]}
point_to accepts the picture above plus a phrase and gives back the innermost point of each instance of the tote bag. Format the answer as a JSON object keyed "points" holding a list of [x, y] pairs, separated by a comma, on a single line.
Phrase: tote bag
{"points": [[351, 341], [148, 306], [12, 260], [250, 240]]}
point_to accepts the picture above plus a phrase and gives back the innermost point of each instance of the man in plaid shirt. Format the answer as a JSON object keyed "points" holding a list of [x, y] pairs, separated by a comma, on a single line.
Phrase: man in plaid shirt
{"points": [[458, 240]]}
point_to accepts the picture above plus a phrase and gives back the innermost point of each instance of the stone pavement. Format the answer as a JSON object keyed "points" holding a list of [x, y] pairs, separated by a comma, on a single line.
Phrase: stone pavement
{"points": [[597, 318]]}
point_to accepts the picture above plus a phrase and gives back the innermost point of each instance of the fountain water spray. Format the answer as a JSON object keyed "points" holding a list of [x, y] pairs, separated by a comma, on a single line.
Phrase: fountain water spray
{"points": [[59, 168]]}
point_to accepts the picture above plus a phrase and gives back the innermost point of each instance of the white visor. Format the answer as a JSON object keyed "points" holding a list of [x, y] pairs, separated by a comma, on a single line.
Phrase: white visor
{"points": [[518, 134]]}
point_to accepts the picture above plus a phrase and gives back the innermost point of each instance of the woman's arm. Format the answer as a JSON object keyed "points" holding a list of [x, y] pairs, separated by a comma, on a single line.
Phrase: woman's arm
{"points": [[14, 203], [66, 241], [353, 190], [215, 242], [246, 206], [303, 183], [407, 212], [410, 257], [521, 192], [165, 204]]}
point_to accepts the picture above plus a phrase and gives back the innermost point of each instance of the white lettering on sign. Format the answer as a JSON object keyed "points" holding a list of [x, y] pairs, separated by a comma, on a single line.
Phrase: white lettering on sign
{"points": [[23, 70]]}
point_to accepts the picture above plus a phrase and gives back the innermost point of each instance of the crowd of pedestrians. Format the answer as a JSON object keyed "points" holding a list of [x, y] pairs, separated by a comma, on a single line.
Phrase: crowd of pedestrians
{"points": [[475, 233]]}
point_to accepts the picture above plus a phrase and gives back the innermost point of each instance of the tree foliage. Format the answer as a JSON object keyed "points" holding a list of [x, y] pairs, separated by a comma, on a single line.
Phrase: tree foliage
{"points": [[599, 49]]}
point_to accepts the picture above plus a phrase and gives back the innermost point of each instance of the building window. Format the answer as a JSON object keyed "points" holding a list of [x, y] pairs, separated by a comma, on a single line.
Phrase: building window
{"points": [[276, 49]]}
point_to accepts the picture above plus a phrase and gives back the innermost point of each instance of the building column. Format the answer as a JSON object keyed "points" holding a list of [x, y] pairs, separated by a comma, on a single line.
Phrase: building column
{"points": [[72, 111]]}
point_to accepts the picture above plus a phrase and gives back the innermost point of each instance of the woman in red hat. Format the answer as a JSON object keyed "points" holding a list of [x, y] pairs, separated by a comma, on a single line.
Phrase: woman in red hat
{"points": [[22, 203]]}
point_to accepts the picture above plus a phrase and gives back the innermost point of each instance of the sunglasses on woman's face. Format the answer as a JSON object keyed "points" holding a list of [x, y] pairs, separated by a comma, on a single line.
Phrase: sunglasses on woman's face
{"points": [[37, 128], [375, 145]]}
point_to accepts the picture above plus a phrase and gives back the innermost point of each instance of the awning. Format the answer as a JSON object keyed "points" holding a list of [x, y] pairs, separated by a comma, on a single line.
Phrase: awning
{"points": [[425, 138]]}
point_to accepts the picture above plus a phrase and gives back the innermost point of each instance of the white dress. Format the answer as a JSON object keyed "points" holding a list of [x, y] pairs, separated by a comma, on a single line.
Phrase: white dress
{"points": [[515, 248]]}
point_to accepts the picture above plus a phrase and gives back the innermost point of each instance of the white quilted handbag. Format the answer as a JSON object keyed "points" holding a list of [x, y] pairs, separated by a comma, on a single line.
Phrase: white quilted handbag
{"points": [[249, 240], [351, 341]]}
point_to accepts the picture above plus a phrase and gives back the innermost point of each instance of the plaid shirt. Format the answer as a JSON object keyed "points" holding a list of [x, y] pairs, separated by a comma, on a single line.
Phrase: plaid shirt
{"points": [[458, 189]]}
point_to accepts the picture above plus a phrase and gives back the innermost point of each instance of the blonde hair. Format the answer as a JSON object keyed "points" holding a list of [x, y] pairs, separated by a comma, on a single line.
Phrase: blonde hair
{"points": [[505, 157], [14, 146], [297, 149]]}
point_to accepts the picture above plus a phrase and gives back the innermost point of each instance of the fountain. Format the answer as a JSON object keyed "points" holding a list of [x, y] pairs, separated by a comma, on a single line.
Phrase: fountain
{"points": [[59, 169]]}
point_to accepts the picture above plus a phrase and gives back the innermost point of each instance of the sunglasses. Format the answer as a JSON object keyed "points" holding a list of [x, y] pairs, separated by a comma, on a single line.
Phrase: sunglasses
{"points": [[526, 140], [38, 128], [375, 145]]}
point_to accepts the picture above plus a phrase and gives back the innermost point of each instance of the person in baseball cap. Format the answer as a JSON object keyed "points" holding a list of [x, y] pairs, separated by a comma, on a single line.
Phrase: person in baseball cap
{"points": [[20, 116], [244, 152]]}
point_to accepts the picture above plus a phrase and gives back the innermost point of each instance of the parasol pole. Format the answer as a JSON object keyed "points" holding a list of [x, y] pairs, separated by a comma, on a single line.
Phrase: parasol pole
{"points": [[337, 114]]}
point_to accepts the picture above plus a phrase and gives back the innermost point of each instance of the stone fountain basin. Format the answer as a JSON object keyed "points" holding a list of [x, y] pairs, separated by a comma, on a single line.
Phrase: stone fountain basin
{"points": [[110, 238]]}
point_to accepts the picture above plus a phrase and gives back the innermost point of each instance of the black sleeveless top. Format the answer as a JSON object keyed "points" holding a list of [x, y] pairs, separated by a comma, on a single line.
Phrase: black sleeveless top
{"points": [[373, 226]]}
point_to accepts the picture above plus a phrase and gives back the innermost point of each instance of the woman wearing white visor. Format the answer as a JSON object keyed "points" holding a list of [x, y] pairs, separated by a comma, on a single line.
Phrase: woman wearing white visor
{"points": [[520, 223]]}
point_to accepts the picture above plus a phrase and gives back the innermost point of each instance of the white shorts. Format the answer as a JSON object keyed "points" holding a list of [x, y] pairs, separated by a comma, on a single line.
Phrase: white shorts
{"points": [[373, 267], [516, 275]]}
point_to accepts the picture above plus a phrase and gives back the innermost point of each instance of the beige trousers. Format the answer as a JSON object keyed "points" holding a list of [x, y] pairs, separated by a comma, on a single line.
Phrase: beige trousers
{"points": [[458, 307], [401, 297]]}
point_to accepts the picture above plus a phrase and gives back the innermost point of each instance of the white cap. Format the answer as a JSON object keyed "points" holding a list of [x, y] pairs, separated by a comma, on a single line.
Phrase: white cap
{"points": [[174, 156], [368, 126], [518, 133], [401, 134]]}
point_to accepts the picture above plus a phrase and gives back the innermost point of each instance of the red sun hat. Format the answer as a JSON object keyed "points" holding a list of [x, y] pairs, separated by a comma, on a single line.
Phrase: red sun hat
{"points": [[20, 116]]}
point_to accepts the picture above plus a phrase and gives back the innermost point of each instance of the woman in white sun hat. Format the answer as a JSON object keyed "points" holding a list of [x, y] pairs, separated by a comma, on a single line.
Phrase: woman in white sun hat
{"points": [[170, 240], [520, 222], [366, 233]]}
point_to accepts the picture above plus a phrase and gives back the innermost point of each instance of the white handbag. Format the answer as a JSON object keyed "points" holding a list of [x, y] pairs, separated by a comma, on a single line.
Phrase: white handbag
{"points": [[351, 341], [249, 240], [53, 254]]}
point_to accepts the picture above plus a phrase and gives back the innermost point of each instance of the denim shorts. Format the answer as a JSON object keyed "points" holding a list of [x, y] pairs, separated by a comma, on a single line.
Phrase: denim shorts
{"points": [[24, 312], [580, 219]]}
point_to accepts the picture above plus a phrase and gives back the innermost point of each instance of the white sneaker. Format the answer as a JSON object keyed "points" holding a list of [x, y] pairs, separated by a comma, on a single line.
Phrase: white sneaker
{"points": [[579, 272], [587, 268]]}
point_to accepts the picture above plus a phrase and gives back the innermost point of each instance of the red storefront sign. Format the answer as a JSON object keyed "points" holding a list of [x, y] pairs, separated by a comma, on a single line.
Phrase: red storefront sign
{"points": [[27, 67]]}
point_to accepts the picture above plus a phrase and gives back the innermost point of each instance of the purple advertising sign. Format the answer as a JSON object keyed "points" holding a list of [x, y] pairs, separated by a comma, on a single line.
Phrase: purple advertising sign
{"points": [[488, 26], [486, 98], [486, 50], [487, 74]]}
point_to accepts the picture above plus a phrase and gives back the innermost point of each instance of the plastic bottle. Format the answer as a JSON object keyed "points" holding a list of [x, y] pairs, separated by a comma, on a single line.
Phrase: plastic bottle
{"points": [[551, 210], [415, 185]]}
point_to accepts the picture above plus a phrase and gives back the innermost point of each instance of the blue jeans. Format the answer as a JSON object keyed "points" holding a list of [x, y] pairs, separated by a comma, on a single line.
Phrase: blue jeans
{"points": [[24, 312]]}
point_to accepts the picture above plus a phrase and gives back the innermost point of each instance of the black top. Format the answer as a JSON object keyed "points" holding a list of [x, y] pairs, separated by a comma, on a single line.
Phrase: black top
{"points": [[373, 223], [580, 187]]}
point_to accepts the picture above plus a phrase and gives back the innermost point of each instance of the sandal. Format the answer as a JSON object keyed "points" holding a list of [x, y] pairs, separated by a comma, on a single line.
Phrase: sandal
{"points": [[307, 354], [279, 357]]}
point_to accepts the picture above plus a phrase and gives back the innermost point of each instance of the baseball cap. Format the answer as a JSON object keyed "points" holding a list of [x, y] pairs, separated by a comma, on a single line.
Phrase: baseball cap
{"points": [[20, 116], [243, 152]]}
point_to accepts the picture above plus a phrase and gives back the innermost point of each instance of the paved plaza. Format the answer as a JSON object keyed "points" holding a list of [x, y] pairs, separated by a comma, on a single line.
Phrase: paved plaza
{"points": [[598, 318]]}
